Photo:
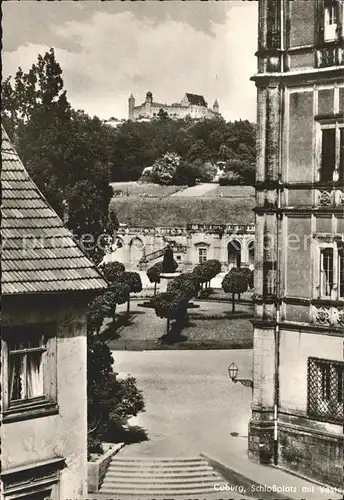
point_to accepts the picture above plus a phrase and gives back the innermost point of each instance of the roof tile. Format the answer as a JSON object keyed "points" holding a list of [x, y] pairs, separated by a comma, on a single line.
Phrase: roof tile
{"points": [[38, 252]]}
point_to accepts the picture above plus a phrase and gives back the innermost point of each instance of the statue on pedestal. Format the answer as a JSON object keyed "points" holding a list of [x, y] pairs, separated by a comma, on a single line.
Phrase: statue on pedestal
{"points": [[168, 263]]}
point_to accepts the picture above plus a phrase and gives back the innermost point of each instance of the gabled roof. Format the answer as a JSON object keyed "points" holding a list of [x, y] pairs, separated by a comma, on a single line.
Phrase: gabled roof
{"points": [[38, 252], [196, 100]]}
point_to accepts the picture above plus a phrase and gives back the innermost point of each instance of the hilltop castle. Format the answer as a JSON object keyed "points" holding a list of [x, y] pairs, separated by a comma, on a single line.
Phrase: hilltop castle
{"points": [[192, 105]]}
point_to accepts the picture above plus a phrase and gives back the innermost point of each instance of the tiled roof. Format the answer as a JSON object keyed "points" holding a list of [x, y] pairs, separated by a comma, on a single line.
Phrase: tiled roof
{"points": [[38, 252], [197, 100]]}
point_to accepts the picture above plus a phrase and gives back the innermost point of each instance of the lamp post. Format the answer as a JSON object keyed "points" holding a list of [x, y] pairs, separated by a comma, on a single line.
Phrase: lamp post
{"points": [[233, 371]]}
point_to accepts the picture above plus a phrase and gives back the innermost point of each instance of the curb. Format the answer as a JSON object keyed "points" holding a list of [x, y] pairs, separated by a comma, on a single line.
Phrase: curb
{"points": [[236, 478]]}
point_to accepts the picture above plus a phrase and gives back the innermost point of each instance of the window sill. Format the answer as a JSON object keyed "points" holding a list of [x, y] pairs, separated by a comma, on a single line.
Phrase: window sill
{"points": [[26, 412]]}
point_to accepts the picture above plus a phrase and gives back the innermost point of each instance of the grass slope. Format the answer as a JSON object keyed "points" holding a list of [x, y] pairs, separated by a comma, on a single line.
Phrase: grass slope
{"points": [[174, 211]]}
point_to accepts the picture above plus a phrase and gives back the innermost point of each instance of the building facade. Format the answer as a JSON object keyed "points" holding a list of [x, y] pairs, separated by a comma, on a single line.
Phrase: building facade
{"points": [[192, 106], [47, 283], [138, 248], [297, 409]]}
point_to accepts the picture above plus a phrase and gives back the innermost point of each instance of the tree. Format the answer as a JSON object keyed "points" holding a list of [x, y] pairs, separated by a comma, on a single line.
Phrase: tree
{"points": [[205, 170], [66, 152], [111, 401], [247, 274], [97, 311], [185, 286], [118, 294], [153, 274], [165, 167], [133, 281], [163, 115], [185, 174], [234, 282], [112, 270], [207, 270], [169, 305]]}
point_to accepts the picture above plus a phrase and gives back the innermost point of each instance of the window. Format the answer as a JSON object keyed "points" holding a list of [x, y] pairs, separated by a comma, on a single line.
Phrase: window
{"points": [[325, 389], [234, 253], [332, 153], [341, 272], [202, 255], [26, 369], [326, 269], [332, 273], [332, 20], [30, 370], [328, 154]]}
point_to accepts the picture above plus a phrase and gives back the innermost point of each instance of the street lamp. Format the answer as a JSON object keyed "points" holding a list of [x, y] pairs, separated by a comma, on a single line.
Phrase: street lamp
{"points": [[233, 371]]}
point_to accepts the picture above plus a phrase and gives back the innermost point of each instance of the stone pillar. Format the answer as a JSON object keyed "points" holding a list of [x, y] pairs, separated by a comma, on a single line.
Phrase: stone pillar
{"points": [[188, 257], [272, 133], [261, 427]]}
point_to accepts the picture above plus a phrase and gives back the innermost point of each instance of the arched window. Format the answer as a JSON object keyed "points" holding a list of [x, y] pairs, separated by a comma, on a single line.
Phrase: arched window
{"points": [[251, 253], [136, 250], [234, 253]]}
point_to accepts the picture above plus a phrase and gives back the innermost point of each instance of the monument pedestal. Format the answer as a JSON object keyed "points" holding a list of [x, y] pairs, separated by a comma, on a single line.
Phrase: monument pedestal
{"points": [[165, 278]]}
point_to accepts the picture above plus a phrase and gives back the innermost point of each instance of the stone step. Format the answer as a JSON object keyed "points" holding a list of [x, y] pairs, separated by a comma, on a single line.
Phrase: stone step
{"points": [[169, 478], [161, 474], [169, 493], [159, 460], [161, 481], [157, 467]]}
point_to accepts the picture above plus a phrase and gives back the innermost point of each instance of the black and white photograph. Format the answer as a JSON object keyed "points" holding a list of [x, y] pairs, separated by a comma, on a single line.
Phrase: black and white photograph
{"points": [[172, 250]]}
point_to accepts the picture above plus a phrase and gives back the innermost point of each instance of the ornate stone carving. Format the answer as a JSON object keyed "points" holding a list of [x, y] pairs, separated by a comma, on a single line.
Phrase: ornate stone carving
{"points": [[340, 194], [339, 317], [325, 198], [323, 315], [327, 316]]}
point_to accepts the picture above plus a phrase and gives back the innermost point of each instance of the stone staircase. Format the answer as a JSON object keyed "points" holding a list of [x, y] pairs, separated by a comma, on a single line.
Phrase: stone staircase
{"points": [[168, 478]]}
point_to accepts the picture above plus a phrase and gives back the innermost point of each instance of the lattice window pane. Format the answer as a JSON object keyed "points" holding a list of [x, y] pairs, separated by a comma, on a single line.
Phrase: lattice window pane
{"points": [[269, 277], [327, 272], [325, 389], [202, 255]]}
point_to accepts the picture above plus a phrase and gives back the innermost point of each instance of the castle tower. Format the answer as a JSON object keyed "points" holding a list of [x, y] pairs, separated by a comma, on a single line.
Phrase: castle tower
{"points": [[148, 105], [149, 97], [216, 108], [131, 101]]}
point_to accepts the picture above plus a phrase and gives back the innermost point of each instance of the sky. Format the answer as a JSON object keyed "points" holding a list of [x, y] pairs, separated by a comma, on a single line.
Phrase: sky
{"points": [[108, 50]]}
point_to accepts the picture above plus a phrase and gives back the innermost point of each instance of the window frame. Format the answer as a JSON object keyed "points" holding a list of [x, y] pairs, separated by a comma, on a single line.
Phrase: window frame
{"points": [[21, 409], [337, 252], [201, 259], [338, 167], [323, 397], [332, 10]]}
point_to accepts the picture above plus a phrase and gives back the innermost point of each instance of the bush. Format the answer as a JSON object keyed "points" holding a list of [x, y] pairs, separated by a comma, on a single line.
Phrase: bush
{"points": [[186, 284], [111, 401], [234, 282], [207, 270], [164, 168], [97, 311], [112, 270]]}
